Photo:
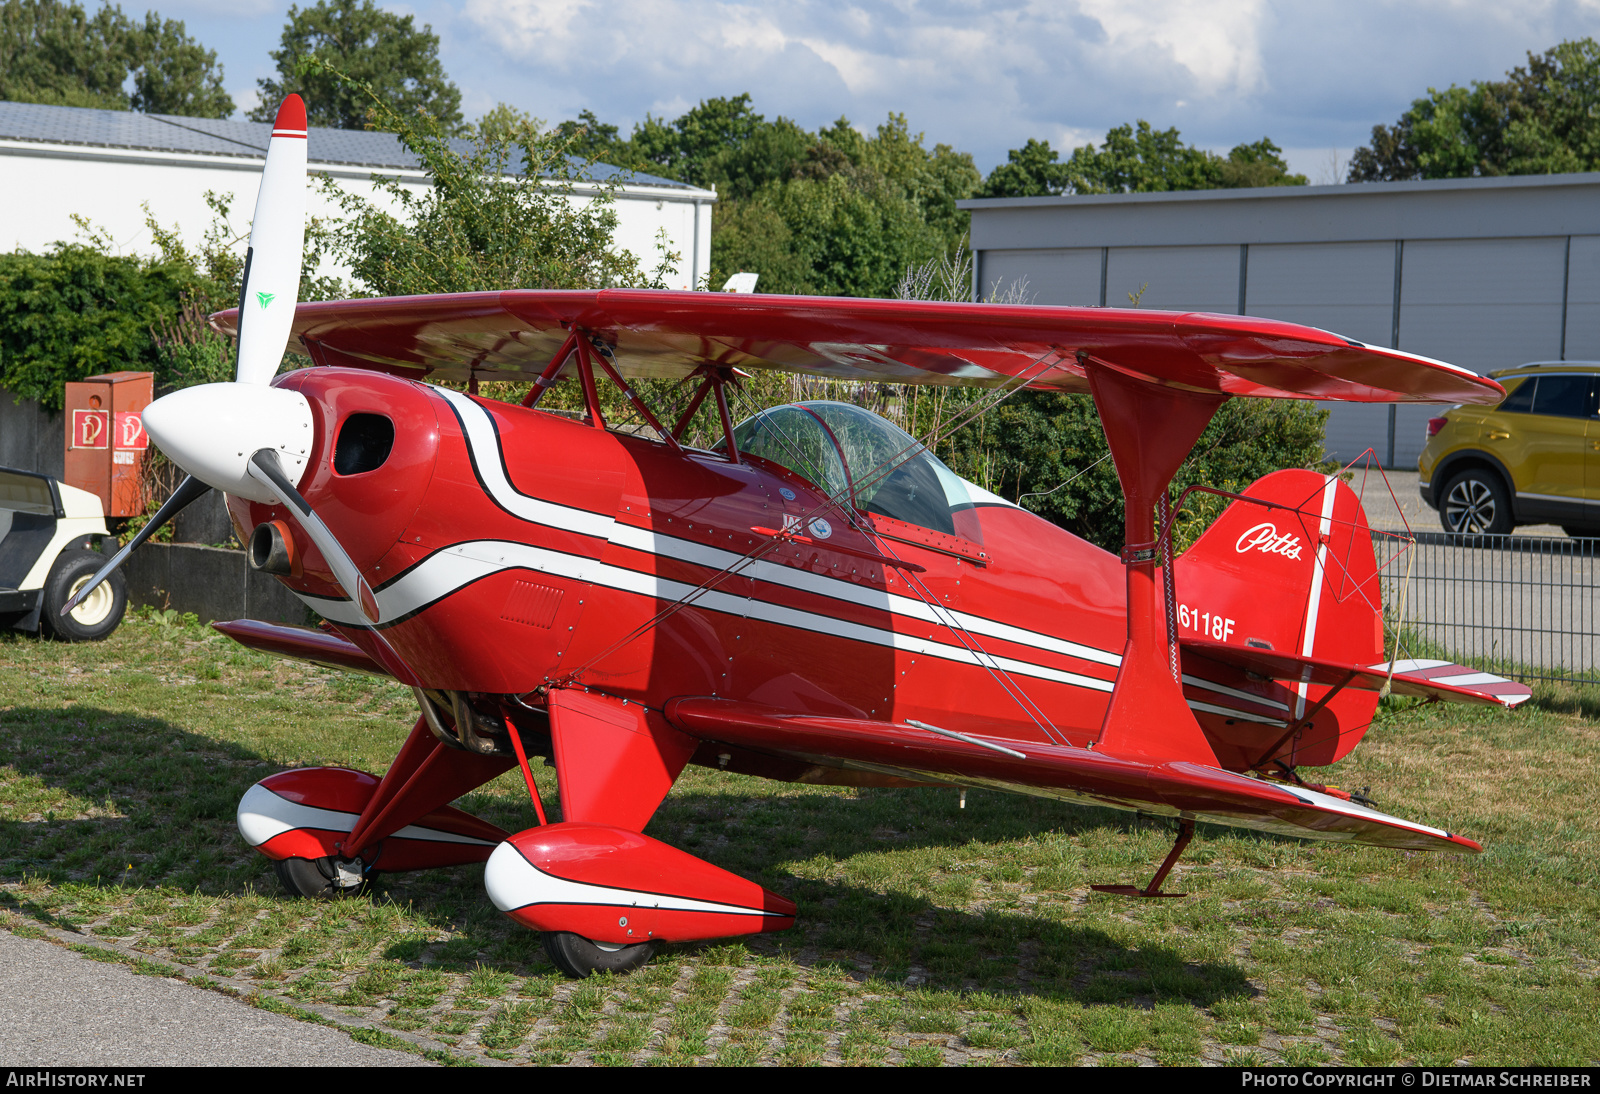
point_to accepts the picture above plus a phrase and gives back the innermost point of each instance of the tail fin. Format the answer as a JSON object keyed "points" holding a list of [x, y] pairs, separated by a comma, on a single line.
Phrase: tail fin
{"points": [[1291, 570]]}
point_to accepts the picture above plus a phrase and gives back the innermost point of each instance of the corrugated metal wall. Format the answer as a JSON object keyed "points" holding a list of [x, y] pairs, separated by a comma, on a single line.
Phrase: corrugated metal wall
{"points": [[1068, 276], [1481, 303]]}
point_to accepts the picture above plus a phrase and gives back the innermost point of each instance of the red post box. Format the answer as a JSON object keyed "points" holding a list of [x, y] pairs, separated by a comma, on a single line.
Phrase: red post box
{"points": [[106, 441]]}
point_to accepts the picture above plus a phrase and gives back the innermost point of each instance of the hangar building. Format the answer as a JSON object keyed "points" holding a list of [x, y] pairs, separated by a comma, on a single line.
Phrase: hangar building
{"points": [[1486, 273], [106, 165]]}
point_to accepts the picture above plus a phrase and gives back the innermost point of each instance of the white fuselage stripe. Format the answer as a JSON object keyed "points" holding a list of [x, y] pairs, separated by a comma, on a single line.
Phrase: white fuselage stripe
{"points": [[484, 448], [452, 568], [1314, 600], [1223, 689]]}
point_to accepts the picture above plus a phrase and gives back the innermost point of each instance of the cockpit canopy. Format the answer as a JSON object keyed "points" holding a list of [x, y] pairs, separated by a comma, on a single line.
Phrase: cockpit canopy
{"points": [[860, 458]]}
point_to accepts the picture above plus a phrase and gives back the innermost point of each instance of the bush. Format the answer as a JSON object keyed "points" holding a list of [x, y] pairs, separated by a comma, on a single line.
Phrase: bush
{"points": [[1035, 442], [78, 311]]}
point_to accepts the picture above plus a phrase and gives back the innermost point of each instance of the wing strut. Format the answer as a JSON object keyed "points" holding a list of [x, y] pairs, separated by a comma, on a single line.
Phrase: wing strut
{"points": [[1151, 428]]}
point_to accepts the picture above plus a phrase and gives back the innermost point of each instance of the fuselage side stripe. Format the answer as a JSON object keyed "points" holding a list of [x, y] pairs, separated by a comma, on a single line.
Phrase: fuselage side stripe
{"points": [[447, 570], [482, 438]]}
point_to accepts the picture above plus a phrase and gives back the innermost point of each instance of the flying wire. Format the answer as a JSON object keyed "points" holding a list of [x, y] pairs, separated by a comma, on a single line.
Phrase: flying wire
{"points": [[831, 501]]}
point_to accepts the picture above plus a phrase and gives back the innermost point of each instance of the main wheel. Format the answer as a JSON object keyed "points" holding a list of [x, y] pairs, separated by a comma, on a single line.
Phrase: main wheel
{"points": [[578, 957], [97, 616], [1582, 531], [1476, 502], [316, 878]]}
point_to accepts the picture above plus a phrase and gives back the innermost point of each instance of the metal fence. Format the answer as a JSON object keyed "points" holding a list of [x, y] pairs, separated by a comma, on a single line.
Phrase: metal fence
{"points": [[1524, 605]]}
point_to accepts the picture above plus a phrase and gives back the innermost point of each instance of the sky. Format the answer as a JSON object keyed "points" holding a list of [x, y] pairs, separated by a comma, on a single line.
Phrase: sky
{"points": [[980, 75]]}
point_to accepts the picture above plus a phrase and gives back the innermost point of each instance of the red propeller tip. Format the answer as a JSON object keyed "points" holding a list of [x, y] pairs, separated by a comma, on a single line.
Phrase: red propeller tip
{"points": [[291, 115]]}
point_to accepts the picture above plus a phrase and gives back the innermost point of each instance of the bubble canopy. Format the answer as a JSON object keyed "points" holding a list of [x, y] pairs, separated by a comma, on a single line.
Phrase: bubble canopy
{"points": [[856, 456]]}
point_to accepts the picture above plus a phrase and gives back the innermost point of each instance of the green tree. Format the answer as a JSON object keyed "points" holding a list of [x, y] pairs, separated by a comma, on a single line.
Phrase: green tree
{"points": [[854, 209], [1541, 119], [60, 55], [1553, 111], [77, 311], [1453, 133], [479, 226], [57, 54], [589, 137], [1258, 164], [1031, 447], [1034, 170], [852, 233], [172, 73], [833, 212], [375, 49], [1137, 159]]}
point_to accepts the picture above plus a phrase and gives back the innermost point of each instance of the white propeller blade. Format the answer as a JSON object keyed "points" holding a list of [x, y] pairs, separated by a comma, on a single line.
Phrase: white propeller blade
{"points": [[277, 238], [247, 438]]}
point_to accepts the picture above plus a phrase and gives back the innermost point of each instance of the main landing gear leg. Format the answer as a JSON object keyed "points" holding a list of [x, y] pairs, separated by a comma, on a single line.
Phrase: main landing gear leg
{"points": [[1185, 834]]}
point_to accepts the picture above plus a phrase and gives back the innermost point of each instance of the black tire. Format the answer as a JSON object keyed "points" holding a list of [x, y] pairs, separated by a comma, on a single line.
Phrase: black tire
{"points": [[1582, 531], [1474, 503], [578, 957], [94, 618], [314, 878]]}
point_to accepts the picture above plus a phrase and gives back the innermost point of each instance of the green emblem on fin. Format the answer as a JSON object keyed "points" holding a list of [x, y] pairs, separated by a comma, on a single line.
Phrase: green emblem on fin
{"points": [[265, 298]]}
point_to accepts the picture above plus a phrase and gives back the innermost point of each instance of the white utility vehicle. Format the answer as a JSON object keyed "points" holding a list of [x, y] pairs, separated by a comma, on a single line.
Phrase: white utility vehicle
{"points": [[45, 534]]}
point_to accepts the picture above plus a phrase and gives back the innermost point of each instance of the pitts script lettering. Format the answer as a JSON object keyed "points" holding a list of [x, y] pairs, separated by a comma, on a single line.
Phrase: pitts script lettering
{"points": [[1265, 537]]}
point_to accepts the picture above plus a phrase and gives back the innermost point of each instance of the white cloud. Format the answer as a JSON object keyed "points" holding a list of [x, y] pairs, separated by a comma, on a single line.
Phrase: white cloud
{"points": [[985, 75], [1215, 41], [536, 28]]}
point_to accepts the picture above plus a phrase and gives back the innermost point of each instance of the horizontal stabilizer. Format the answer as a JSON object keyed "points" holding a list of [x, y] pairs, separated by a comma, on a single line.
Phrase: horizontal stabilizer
{"points": [[1421, 679], [1079, 775]]}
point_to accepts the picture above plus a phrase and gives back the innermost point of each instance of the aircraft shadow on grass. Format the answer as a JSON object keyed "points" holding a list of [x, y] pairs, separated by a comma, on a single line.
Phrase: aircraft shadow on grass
{"points": [[150, 804]]}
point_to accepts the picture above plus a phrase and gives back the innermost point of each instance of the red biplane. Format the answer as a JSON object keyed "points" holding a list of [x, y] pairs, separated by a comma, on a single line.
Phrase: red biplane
{"points": [[817, 598]]}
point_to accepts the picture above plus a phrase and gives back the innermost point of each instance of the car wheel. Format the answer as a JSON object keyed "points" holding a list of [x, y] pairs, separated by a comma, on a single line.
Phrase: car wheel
{"points": [[1476, 502], [1582, 531], [578, 957], [97, 616]]}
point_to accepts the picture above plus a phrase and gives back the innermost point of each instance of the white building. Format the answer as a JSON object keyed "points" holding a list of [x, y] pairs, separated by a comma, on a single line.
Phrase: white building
{"points": [[107, 166]]}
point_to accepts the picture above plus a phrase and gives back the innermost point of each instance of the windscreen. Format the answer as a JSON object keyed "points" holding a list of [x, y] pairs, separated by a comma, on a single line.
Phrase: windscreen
{"points": [[888, 471]]}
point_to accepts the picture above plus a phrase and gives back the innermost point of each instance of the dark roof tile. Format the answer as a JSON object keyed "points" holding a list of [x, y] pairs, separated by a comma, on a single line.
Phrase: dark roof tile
{"points": [[217, 137]]}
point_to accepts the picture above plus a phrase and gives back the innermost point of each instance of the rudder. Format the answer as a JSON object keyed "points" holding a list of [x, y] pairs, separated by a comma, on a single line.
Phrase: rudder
{"points": [[1292, 569]]}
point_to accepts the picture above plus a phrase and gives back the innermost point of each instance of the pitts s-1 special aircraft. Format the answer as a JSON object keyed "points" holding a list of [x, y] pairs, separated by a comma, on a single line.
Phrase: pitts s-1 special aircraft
{"points": [[816, 599]]}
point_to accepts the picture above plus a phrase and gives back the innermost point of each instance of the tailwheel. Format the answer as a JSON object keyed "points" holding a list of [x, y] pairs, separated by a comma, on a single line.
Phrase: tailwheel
{"points": [[322, 878], [578, 957]]}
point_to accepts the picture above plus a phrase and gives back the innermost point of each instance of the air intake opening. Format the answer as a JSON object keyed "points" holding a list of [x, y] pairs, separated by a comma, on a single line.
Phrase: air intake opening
{"points": [[365, 441]]}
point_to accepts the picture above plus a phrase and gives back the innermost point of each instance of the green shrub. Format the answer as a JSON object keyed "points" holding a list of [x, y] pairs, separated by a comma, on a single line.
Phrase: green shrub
{"points": [[78, 311]]}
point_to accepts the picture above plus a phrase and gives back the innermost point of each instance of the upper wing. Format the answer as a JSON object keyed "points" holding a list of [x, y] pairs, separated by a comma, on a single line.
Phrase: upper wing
{"points": [[513, 335]]}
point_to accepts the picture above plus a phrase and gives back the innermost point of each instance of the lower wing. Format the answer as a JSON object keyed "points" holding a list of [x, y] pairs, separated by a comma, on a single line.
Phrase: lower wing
{"points": [[1079, 775]]}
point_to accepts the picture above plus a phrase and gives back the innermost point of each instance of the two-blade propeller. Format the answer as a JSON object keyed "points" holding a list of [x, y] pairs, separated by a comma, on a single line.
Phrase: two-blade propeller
{"points": [[246, 437]]}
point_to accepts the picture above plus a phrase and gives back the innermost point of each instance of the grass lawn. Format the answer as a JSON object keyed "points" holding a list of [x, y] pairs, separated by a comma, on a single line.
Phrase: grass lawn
{"points": [[928, 934]]}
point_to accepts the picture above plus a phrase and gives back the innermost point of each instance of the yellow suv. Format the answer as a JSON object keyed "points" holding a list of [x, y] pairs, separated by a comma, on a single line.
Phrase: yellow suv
{"points": [[1533, 459]]}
